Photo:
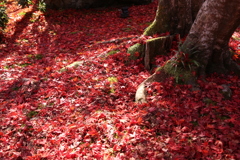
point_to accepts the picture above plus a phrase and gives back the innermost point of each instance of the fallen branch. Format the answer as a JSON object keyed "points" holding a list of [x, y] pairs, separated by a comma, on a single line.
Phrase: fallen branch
{"points": [[117, 40]]}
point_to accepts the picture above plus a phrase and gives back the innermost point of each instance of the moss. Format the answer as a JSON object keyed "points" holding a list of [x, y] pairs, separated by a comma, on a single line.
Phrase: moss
{"points": [[127, 29], [74, 64], [24, 64], [162, 22], [136, 51], [39, 56], [209, 101], [112, 79], [112, 52], [180, 74], [105, 55], [155, 39], [151, 29], [32, 114]]}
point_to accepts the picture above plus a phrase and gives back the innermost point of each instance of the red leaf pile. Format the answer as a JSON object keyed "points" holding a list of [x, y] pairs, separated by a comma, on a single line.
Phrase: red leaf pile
{"points": [[87, 111]]}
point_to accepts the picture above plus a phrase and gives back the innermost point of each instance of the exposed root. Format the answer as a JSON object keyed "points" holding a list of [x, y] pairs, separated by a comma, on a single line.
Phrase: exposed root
{"points": [[161, 75], [141, 93]]}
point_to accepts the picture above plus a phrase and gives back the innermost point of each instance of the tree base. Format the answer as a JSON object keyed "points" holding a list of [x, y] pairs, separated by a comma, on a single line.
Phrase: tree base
{"points": [[180, 74], [149, 50]]}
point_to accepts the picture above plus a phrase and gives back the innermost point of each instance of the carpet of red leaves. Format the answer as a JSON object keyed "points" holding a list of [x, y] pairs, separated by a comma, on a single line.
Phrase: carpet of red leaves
{"points": [[88, 112]]}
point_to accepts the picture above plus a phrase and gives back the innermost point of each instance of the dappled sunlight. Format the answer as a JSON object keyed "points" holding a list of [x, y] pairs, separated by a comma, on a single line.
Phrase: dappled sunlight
{"points": [[67, 91]]}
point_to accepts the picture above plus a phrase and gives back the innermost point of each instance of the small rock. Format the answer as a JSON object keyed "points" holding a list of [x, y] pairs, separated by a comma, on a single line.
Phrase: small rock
{"points": [[226, 91]]}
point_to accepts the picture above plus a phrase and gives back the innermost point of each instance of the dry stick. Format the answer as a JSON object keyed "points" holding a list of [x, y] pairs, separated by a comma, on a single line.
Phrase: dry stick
{"points": [[118, 40]]}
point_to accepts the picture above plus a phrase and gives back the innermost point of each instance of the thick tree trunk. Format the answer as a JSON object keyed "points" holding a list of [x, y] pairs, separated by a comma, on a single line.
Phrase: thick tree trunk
{"points": [[208, 38], [206, 46], [174, 16]]}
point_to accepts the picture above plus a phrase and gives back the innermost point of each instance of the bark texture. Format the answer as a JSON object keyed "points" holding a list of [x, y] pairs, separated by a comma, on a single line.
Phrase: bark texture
{"points": [[174, 16], [207, 41], [206, 47]]}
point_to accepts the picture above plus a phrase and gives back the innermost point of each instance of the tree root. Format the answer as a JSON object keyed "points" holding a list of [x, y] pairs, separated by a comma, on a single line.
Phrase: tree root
{"points": [[141, 93], [162, 74]]}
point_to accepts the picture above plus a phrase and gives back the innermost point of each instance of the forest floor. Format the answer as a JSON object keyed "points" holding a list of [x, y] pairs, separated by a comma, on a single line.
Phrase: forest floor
{"points": [[87, 111]]}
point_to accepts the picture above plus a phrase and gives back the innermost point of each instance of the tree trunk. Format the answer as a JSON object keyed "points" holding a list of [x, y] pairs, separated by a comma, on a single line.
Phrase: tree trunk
{"points": [[174, 16], [208, 38], [206, 47]]}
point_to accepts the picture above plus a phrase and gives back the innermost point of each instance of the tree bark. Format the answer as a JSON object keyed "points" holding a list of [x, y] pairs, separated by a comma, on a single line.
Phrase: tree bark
{"points": [[206, 47], [174, 16], [207, 41]]}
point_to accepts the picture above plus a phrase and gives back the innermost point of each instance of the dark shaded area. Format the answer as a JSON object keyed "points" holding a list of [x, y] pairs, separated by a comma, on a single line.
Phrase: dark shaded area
{"points": [[125, 12], [78, 4]]}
